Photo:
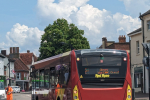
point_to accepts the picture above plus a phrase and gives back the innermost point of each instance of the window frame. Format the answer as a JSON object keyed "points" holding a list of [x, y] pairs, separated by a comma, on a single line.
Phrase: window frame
{"points": [[37, 79], [46, 72], [137, 47], [148, 25], [41, 72], [18, 74]]}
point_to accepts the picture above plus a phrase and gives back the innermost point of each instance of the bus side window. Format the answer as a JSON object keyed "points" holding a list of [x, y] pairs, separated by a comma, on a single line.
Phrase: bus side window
{"points": [[64, 74], [52, 78], [41, 78], [46, 78], [37, 79]]}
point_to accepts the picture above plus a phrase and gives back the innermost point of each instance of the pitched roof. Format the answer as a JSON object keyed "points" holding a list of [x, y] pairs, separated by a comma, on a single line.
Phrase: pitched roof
{"points": [[27, 58], [135, 31], [1, 55], [146, 13], [20, 65], [107, 43]]}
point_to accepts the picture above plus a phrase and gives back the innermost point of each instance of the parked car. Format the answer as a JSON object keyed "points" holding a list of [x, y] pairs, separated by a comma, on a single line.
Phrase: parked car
{"points": [[16, 89]]}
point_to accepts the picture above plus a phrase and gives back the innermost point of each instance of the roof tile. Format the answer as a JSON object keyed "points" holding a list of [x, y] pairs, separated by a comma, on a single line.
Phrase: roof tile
{"points": [[27, 58], [19, 65]]}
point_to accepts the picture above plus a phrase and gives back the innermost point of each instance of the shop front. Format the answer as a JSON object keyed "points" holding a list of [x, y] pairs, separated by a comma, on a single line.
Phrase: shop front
{"points": [[24, 84], [138, 78]]}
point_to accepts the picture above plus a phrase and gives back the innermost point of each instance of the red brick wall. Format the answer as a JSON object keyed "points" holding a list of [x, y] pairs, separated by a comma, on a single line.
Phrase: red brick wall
{"points": [[112, 46], [22, 74], [122, 46]]}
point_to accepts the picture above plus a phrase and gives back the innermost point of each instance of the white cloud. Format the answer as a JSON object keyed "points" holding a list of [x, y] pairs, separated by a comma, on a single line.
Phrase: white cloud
{"points": [[136, 6], [24, 37], [49, 10], [101, 23], [95, 22]]}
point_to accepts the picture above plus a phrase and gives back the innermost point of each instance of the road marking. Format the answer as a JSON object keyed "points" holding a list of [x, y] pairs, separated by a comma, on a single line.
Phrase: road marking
{"points": [[29, 95]]}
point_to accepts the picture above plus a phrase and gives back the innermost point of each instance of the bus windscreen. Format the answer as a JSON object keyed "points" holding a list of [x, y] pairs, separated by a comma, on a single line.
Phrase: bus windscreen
{"points": [[101, 61], [102, 72], [102, 67]]}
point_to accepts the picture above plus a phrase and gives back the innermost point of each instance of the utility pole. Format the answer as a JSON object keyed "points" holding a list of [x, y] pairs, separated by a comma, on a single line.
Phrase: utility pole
{"points": [[146, 61], [9, 73]]}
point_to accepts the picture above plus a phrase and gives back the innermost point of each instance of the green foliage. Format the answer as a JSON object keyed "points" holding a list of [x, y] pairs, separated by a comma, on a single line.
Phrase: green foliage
{"points": [[59, 32]]}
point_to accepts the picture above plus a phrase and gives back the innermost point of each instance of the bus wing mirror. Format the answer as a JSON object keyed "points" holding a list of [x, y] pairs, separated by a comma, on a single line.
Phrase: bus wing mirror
{"points": [[146, 61]]}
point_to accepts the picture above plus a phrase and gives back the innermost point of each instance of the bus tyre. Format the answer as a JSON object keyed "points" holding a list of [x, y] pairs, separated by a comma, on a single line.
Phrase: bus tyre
{"points": [[36, 98], [58, 98]]}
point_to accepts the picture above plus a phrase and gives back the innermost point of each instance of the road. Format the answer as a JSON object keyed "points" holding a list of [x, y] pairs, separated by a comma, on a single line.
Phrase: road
{"points": [[22, 96]]}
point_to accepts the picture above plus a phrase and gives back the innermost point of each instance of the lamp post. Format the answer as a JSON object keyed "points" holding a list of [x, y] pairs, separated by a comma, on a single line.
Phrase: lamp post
{"points": [[9, 72]]}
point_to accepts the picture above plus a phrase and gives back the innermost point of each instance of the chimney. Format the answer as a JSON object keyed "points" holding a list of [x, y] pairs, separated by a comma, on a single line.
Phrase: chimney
{"points": [[14, 50], [11, 50], [122, 39], [28, 51], [104, 42], [17, 49], [3, 52]]}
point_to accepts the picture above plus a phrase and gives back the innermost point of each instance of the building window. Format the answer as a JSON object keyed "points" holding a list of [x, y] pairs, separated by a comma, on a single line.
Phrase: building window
{"points": [[24, 76], [18, 76], [137, 47], [148, 25], [148, 41]]}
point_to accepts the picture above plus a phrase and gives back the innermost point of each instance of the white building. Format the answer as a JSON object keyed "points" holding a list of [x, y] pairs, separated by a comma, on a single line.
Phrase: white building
{"points": [[140, 73]]}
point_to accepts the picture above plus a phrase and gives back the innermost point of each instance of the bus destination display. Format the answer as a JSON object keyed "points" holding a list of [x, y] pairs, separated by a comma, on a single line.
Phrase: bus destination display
{"points": [[101, 70]]}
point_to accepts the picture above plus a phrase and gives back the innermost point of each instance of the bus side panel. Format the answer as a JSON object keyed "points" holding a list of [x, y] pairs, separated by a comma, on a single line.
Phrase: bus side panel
{"points": [[74, 72], [128, 76]]}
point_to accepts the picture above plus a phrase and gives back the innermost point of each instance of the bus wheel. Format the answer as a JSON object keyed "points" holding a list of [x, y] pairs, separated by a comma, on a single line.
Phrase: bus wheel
{"points": [[58, 98], [36, 98]]}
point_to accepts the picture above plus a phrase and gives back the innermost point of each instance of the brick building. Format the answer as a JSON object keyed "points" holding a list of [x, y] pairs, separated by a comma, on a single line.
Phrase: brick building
{"points": [[23, 61], [122, 44]]}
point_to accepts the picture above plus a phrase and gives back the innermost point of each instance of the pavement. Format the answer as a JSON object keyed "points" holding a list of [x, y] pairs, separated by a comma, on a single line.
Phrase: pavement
{"points": [[141, 96]]}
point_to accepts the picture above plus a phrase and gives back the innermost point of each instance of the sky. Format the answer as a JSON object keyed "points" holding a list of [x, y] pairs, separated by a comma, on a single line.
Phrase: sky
{"points": [[22, 22]]}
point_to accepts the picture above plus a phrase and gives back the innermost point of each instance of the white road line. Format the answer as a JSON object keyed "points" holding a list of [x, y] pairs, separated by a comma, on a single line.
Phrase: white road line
{"points": [[29, 95]]}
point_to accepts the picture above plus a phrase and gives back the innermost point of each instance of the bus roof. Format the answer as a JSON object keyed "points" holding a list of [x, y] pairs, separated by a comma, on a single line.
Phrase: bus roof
{"points": [[45, 62], [101, 50]]}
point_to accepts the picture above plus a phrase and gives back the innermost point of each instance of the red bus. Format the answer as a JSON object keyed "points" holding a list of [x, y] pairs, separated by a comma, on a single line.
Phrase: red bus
{"points": [[100, 74]]}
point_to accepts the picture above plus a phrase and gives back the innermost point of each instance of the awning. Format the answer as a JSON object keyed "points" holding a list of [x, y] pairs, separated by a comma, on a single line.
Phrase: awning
{"points": [[138, 69]]}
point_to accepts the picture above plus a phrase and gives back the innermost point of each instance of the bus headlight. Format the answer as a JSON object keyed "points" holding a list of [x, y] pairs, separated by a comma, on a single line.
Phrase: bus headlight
{"points": [[128, 93], [75, 93]]}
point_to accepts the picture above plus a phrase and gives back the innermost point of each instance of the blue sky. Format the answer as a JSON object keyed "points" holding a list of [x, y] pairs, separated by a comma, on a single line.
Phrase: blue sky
{"points": [[22, 22]]}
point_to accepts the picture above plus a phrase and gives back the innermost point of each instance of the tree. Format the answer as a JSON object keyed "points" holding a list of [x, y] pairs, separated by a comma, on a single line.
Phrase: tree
{"points": [[59, 32]]}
